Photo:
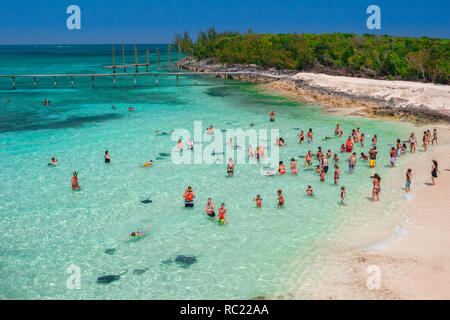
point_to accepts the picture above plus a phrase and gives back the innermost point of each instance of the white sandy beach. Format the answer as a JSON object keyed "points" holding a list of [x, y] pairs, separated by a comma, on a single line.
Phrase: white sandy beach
{"points": [[403, 93]]}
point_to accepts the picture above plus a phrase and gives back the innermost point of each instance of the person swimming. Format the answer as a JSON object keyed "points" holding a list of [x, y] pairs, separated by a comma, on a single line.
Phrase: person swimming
{"points": [[148, 163], [258, 201], [210, 208], [309, 191], [53, 162], [131, 109], [189, 196], [138, 233], [46, 102], [364, 157], [223, 215], [75, 183]]}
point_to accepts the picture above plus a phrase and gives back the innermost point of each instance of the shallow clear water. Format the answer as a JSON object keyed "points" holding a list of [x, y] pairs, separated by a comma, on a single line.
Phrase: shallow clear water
{"points": [[46, 227]]}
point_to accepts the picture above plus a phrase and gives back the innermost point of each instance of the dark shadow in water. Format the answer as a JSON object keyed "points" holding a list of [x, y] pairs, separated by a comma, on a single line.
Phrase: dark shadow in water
{"points": [[219, 91], [72, 122]]}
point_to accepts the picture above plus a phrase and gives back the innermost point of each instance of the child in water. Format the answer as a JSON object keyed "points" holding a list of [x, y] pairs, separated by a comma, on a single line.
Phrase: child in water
{"points": [[408, 180], [258, 201], [309, 191], [343, 192], [223, 215], [280, 199], [322, 175]]}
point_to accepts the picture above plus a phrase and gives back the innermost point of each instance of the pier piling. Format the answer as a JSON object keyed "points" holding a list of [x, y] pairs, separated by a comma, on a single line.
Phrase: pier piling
{"points": [[123, 54], [114, 60], [136, 57]]}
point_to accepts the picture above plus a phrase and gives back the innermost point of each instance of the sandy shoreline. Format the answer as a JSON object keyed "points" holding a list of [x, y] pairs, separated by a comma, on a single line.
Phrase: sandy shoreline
{"points": [[414, 262], [399, 99]]}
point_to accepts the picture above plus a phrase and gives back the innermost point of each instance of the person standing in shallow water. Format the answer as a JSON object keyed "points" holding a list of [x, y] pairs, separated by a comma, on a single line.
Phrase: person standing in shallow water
{"points": [[107, 157], [230, 167], [376, 180], [75, 183], [434, 170], [412, 143], [280, 199], [408, 180], [272, 115]]}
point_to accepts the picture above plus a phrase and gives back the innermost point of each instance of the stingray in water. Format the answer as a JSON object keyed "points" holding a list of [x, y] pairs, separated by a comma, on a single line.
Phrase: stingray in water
{"points": [[139, 271], [159, 158], [110, 278], [162, 154], [146, 201], [185, 260], [167, 261], [110, 251]]}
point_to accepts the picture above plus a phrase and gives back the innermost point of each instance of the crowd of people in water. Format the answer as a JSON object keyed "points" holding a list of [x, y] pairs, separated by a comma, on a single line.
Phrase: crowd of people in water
{"points": [[322, 168]]}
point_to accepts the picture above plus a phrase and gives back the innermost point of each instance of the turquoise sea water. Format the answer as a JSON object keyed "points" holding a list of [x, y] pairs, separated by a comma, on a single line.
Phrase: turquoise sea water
{"points": [[46, 227]]}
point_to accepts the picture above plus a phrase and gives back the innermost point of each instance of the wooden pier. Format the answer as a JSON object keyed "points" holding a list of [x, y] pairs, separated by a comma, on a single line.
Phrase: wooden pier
{"points": [[134, 75]]}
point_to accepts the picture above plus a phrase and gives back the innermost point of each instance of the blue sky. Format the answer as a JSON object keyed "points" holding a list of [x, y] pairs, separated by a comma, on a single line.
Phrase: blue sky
{"points": [[149, 21]]}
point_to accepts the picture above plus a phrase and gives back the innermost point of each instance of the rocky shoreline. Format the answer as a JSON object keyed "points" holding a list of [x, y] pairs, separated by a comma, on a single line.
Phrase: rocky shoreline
{"points": [[292, 83]]}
